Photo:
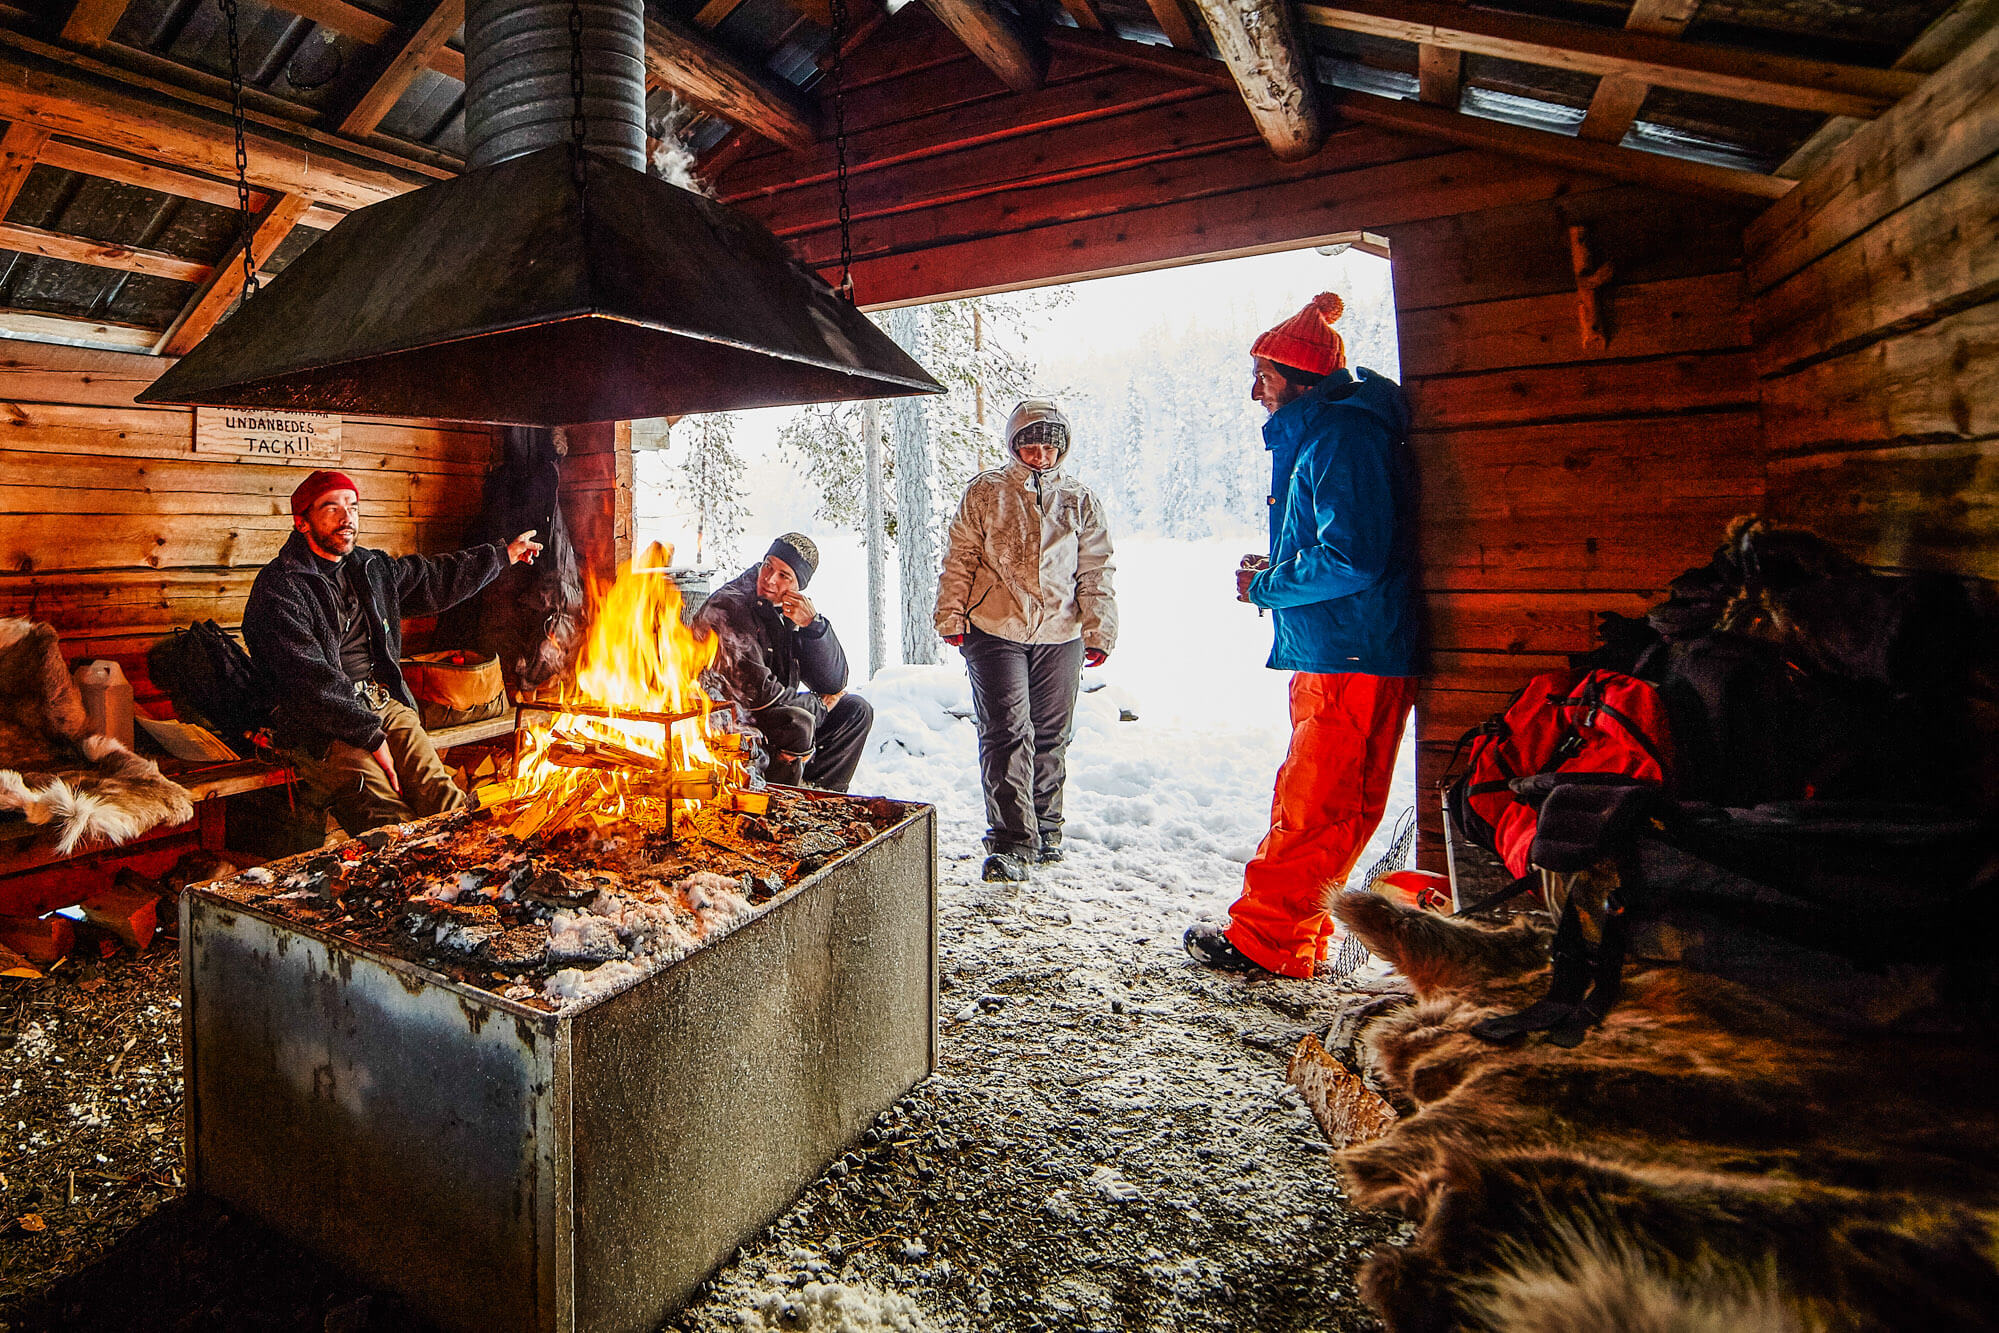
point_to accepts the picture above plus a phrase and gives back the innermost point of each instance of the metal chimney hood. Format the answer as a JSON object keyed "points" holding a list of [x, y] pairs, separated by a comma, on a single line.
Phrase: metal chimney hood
{"points": [[527, 293]]}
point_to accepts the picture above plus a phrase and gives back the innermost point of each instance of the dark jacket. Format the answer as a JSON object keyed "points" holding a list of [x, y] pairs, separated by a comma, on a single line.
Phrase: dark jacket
{"points": [[291, 626], [764, 658], [1342, 579]]}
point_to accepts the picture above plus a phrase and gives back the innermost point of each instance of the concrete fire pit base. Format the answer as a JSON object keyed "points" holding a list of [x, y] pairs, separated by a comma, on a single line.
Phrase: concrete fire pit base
{"points": [[503, 1168]]}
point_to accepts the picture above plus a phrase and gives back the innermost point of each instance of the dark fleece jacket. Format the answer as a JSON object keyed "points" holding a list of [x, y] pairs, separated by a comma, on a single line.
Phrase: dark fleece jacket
{"points": [[764, 658], [292, 628]]}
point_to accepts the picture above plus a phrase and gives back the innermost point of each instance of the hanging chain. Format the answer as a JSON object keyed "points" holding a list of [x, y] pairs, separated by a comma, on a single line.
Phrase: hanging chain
{"points": [[242, 152], [840, 147], [577, 127]]}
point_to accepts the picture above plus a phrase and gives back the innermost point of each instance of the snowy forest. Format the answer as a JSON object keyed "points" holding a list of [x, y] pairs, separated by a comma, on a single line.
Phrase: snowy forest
{"points": [[1163, 427]]}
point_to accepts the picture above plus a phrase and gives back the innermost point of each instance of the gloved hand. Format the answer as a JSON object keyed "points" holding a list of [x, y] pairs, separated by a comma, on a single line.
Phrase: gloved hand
{"points": [[955, 640], [1094, 657]]}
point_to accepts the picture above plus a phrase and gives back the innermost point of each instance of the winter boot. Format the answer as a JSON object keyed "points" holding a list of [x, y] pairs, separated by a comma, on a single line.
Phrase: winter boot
{"points": [[1051, 849], [1209, 945], [1004, 868]]}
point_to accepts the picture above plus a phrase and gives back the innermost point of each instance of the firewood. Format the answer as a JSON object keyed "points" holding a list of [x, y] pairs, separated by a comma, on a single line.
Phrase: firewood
{"points": [[14, 965], [1348, 1111], [132, 914], [45, 939]]}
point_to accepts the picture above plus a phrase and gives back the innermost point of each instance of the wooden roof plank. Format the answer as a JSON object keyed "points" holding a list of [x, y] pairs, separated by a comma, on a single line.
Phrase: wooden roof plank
{"points": [[1173, 21], [991, 35], [1749, 76], [1440, 76], [708, 77], [1262, 45], [38, 326], [1613, 108], [411, 58], [1085, 12], [207, 307], [99, 254], [90, 21], [89, 161]]}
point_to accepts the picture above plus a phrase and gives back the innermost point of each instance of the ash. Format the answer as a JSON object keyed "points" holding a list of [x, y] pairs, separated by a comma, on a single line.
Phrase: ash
{"points": [[559, 921]]}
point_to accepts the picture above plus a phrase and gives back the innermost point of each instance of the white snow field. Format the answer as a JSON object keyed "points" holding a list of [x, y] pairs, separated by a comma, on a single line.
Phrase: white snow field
{"points": [[1109, 1142]]}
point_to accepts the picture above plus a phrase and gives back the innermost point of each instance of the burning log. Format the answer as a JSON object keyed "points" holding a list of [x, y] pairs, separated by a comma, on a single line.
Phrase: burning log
{"points": [[612, 714]]}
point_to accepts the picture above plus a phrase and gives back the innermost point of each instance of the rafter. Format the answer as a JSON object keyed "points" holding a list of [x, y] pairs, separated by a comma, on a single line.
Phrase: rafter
{"points": [[419, 45], [99, 254], [991, 35], [1613, 109], [369, 28], [90, 21], [1173, 21], [20, 148], [89, 161], [1143, 55], [34, 326], [1749, 76], [704, 75], [1086, 15], [1440, 75], [207, 307], [1261, 44]]}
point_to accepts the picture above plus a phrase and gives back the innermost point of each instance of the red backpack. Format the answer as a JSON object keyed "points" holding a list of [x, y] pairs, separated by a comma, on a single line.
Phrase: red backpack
{"points": [[1594, 722]]}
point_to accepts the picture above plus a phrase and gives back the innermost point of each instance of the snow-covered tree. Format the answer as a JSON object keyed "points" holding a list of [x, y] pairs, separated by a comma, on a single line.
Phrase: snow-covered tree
{"points": [[915, 499], [710, 484]]}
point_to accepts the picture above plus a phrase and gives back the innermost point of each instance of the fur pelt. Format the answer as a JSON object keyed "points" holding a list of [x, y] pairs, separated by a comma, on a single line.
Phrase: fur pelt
{"points": [[1706, 1159], [89, 789]]}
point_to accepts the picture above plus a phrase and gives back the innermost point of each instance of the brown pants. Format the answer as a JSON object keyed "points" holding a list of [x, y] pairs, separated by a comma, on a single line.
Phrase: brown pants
{"points": [[350, 783]]}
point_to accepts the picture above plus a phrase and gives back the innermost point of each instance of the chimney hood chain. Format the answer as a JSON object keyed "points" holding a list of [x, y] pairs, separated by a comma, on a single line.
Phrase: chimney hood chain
{"points": [[528, 293]]}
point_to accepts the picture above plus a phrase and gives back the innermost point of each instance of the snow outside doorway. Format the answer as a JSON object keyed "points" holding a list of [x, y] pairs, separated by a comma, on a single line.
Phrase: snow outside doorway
{"points": [[1109, 1142]]}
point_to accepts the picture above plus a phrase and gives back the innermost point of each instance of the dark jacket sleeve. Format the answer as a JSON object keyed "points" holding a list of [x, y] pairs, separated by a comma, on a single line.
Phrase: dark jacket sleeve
{"points": [[822, 663], [739, 657], [428, 584], [314, 693]]}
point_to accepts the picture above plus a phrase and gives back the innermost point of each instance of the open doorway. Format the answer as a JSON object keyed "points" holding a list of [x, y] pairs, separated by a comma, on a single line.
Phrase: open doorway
{"points": [[1180, 732]]}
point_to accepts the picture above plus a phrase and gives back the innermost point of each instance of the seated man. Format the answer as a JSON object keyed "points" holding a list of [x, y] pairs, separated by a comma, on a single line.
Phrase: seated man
{"points": [[324, 625], [773, 641]]}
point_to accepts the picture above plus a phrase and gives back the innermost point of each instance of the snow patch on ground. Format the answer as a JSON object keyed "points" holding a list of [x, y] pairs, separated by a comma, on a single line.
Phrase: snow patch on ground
{"points": [[835, 1307]]}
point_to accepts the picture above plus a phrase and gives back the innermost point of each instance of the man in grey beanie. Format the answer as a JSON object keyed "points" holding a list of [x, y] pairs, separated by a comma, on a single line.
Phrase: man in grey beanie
{"points": [[773, 641]]}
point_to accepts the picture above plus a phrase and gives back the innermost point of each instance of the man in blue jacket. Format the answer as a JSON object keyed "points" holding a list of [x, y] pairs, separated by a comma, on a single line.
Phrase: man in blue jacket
{"points": [[1340, 584]]}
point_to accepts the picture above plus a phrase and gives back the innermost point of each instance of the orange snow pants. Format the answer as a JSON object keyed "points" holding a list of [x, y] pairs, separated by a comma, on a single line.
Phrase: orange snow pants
{"points": [[1345, 730]]}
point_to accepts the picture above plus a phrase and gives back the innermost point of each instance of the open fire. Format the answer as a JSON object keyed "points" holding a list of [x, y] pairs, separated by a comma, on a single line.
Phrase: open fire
{"points": [[633, 740]]}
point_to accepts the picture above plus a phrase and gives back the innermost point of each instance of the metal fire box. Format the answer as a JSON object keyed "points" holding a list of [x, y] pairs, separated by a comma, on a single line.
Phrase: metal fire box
{"points": [[503, 1168]]}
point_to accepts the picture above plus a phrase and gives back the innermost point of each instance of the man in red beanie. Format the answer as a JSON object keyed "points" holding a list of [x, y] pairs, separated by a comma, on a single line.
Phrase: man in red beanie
{"points": [[1340, 585], [324, 625]]}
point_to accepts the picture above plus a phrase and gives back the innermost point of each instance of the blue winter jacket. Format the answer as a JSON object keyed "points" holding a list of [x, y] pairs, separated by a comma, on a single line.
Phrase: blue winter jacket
{"points": [[1342, 578]]}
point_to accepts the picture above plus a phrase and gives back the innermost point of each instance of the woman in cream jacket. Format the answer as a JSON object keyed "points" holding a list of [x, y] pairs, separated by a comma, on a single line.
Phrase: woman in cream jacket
{"points": [[1026, 595]]}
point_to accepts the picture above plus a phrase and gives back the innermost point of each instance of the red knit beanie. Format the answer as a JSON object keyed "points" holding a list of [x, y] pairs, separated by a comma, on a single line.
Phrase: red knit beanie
{"points": [[318, 484], [1306, 341]]}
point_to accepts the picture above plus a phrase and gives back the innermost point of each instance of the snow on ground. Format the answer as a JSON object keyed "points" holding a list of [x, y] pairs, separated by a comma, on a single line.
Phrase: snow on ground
{"points": [[1109, 1142]]}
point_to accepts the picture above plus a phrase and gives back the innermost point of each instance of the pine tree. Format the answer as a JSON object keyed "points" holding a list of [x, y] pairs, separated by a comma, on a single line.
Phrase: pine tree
{"points": [[915, 500], [711, 484]]}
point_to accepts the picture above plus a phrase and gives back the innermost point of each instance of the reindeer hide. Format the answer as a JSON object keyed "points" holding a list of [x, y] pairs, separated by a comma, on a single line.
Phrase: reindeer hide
{"points": [[1706, 1159]]}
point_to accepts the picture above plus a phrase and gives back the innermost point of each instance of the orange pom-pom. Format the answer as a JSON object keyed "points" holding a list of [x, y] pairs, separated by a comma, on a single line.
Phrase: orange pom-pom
{"points": [[1329, 305]]}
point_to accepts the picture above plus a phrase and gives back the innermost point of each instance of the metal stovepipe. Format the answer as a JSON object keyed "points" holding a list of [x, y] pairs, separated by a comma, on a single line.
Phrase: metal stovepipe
{"points": [[518, 95]]}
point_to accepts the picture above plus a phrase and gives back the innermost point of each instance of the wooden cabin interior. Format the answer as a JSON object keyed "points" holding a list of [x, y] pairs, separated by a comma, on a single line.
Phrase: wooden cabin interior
{"points": [[1655, 264]]}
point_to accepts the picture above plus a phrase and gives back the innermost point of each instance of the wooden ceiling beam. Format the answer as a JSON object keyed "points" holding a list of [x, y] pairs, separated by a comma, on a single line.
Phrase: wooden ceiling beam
{"points": [[20, 148], [1088, 19], [411, 57], [703, 75], [1182, 65], [99, 254], [990, 34], [712, 14], [1748, 76], [1261, 44], [66, 101], [1613, 108], [1173, 21], [207, 307], [89, 161], [35, 326], [90, 21], [1440, 76], [1655, 169], [371, 29]]}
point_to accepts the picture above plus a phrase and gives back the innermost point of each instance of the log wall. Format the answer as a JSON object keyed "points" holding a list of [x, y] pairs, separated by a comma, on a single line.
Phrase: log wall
{"points": [[115, 531], [1876, 289], [1558, 481]]}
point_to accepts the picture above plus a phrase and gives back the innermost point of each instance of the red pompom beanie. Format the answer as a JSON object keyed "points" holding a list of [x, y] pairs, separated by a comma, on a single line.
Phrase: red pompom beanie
{"points": [[1306, 341], [318, 484]]}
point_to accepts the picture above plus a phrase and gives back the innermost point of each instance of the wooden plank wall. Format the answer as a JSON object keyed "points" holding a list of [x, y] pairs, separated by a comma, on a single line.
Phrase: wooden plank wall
{"points": [[113, 530], [1558, 482], [1876, 312]]}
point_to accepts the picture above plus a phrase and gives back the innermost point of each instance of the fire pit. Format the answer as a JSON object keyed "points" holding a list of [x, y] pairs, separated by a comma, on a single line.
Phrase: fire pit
{"points": [[543, 1065]]}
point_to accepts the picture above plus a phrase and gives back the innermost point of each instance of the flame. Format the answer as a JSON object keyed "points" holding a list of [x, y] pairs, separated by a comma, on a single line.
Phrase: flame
{"points": [[640, 658]]}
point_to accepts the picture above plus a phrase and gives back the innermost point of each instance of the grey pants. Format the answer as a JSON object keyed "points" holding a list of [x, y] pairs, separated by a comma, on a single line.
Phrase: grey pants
{"points": [[1025, 698]]}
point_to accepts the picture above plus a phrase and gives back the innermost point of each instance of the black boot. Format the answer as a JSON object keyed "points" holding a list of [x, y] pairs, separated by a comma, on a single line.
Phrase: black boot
{"points": [[1004, 868]]}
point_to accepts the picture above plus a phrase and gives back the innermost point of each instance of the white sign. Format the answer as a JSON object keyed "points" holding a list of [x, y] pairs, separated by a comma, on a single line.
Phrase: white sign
{"points": [[267, 435]]}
